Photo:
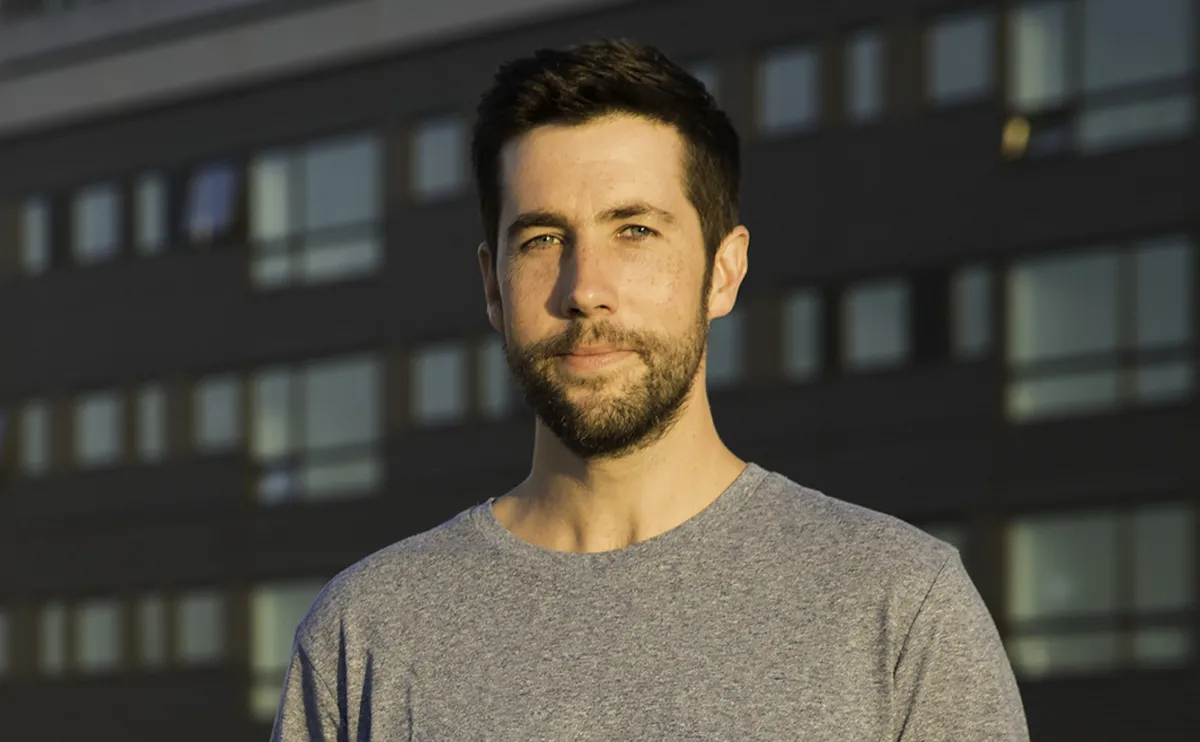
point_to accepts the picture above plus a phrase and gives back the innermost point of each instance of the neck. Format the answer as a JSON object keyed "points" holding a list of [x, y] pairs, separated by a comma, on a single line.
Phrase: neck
{"points": [[568, 504]]}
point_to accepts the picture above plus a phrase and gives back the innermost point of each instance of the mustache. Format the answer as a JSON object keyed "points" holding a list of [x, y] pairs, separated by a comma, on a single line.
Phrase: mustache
{"points": [[577, 333]]}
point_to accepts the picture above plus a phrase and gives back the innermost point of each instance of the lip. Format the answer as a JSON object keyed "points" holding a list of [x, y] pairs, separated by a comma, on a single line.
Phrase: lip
{"points": [[594, 358]]}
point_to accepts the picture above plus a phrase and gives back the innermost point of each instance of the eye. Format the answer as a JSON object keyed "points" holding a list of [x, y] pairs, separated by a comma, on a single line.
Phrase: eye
{"points": [[542, 240], [637, 232]]}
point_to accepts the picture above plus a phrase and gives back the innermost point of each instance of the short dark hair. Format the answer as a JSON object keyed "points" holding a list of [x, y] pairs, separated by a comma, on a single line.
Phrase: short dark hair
{"points": [[585, 82]]}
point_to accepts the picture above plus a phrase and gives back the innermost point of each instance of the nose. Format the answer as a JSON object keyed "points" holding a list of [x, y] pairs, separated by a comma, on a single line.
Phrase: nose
{"points": [[586, 282]]}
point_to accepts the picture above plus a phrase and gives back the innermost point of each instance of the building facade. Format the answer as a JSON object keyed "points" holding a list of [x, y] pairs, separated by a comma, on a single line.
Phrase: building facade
{"points": [[243, 342]]}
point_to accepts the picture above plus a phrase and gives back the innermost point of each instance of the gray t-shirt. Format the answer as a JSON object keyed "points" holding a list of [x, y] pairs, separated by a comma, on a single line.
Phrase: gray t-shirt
{"points": [[777, 613]]}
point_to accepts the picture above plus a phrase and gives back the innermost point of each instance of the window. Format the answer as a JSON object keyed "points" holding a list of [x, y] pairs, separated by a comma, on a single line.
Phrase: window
{"points": [[218, 414], [316, 429], [439, 159], [151, 423], [35, 439], [5, 641], [95, 224], [876, 324], [35, 236], [789, 91], [971, 312], [98, 635], [52, 639], [275, 612], [726, 350], [98, 429], [314, 212], [961, 54], [439, 384], [1095, 330], [212, 195], [1101, 74], [1075, 580], [802, 335], [495, 383], [708, 73], [864, 76], [200, 627], [152, 631], [150, 229]]}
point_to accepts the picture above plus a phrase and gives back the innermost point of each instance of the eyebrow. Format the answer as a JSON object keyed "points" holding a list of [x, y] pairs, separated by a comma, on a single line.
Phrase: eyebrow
{"points": [[555, 220]]}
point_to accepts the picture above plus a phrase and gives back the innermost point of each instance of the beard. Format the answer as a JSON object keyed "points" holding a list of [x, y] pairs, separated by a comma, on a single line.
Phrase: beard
{"points": [[617, 415]]}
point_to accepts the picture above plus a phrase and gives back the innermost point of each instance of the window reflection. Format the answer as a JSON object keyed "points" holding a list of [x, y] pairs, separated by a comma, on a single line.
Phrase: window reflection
{"points": [[789, 90]]}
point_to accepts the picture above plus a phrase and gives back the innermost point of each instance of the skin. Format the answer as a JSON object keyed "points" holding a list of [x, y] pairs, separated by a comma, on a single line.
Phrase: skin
{"points": [[600, 248]]}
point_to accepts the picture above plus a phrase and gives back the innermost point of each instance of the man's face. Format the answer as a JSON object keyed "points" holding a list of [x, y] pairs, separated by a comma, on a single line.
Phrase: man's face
{"points": [[602, 282]]}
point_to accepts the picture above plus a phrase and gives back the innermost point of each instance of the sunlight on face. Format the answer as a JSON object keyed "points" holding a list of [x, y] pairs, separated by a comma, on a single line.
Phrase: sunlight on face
{"points": [[604, 281]]}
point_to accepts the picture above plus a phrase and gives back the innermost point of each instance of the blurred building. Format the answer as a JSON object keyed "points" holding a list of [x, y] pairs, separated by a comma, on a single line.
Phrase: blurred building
{"points": [[243, 342]]}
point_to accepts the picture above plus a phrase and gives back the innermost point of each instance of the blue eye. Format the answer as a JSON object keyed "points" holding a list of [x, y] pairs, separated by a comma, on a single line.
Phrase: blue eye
{"points": [[542, 240], [637, 232]]}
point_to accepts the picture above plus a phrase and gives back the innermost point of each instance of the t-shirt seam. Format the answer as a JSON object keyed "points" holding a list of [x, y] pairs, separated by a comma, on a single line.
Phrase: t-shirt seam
{"points": [[920, 608], [337, 722]]}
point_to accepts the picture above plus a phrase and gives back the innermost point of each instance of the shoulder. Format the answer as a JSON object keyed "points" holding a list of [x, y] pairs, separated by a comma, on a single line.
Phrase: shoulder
{"points": [[845, 538], [393, 580]]}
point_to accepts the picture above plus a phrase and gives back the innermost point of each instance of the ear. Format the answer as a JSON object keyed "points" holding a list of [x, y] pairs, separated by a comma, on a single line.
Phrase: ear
{"points": [[491, 286], [729, 270]]}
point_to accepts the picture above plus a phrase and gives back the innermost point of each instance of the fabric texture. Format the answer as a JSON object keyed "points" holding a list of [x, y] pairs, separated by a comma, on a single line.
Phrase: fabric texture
{"points": [[777, 613]]}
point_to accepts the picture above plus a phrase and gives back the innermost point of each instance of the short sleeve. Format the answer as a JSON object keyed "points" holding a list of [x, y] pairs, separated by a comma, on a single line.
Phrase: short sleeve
{"points": [[308, 709], [953, 680]]}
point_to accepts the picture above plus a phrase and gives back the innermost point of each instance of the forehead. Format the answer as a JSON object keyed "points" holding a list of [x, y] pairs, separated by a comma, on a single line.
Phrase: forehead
{"points": [[586, 165]]}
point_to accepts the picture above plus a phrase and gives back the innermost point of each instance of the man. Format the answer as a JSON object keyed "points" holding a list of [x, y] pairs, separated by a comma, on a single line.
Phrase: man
{"points": [[643, 582]]}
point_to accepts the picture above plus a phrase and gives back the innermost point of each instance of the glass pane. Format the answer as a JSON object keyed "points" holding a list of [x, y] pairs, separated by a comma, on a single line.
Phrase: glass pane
{"points": [[1062, 565], [98, 429], [1038, 56], [1063, 394], [152, 631], [95, 226], [1164, 558], [333, 259], [277, 485], [1162, 648], [1100, 129], [152, 423], [218, 413], [789, 92], [5, 640], [341, 403], [345, 477], [1063, 653], [200, 627], [802, 335], [98, 635], [439, 389], [495, 384], [726, 350], [709, 75], [865, 65], [212, 196], [876, 324], [1063, 306], [52, 639], [271, 216], [271, 429], [341, 183], [271, 271], [1130, 42], [439, 165], [1163, 383], [960, 58], [35, 439], [35, 236], [972, 312], [151, 233], [1165, 271]]}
